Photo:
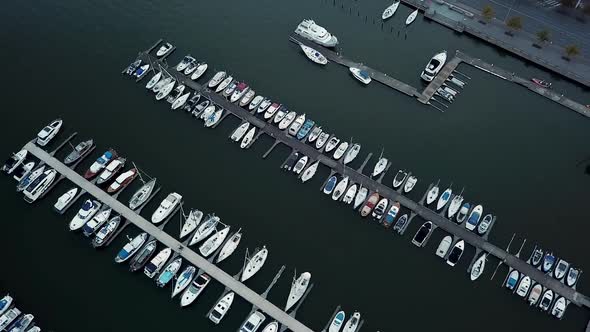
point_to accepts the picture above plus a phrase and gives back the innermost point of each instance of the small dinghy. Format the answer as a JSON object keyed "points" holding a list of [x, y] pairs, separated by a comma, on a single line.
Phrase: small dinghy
{"points": [[412, 17], [444, 246]]}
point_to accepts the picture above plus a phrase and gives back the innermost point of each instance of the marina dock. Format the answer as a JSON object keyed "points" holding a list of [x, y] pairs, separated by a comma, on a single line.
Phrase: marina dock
{"points": [[163, 237], [458, 231]]}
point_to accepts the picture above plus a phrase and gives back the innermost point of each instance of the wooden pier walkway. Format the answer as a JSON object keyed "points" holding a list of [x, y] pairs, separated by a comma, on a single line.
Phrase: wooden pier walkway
{"points": [[163, 237], [438, 81], [374, 186]]}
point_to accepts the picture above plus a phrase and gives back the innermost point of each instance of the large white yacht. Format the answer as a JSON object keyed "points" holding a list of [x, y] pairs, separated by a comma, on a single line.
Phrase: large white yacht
{"points": [[166, 207], [221, 308], [310, 30], [434, 66]]}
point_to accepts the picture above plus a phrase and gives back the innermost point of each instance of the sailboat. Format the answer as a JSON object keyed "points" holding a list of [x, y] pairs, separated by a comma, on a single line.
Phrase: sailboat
{"points": [[444, 198], [380, 166], [389, 11], [337, 322], [254, 264], [310, 171], [230, 246], [432, 195], [191, 223], [205, 229], [184, 280], [214, 242], [412, 17], [478, 267], [298, 288]]}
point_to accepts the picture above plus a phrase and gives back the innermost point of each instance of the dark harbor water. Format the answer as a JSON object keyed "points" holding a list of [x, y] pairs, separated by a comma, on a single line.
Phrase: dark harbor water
{"points": [[514, 152]]}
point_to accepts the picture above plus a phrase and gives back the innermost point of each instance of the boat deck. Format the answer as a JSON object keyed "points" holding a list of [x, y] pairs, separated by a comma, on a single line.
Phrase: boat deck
{"points": [[163, 237], [438, 81]]}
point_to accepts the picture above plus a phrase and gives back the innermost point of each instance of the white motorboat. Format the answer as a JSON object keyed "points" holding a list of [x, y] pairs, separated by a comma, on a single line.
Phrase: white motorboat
{"points": [[280, 115], [131, 248], [253, 322], [165, 91], [248, 97], [30, 178], [141, 71], [310, 171], [223, 85], [310, 30], [230, 89], [523, 286], [332, 144], [456, 253], [112, 168], [48, 132], [161, 83], [271, 327], [572, 276], [478, 267], [8, 317], [352, 323], [399, 178], [360, 197], [380, 208], [485, 223], [512, 280], [184, 279], [271, 110], [205, 229], [264, 105], [432, 195], [65, 199], [340, 189], [169, 272], [350, 194], [361, 75], [321, 140], [106, 232], [86, 212], [24, 170], [411, 17], [535, 294], [230, 246], [240, 131], [298, 288], [5, 303], [296, 125], [168, 205], [380, 166], [254, 264], [99, 219], [352, 153], [248, 138], [255, 102], [546, 300], [454, 206], [389, 11], [164, 49], [474, 217], [340, 150], [37, 187], [337, 321], [314, 55], [559, 308], [463, 211], [180, 101], [191, 68], [287, 120], [434, 66], [241, 89], [560, 269], [199, 71], [221, 308], [214, 118], [142, 194], [191, 223], [315, 133], [155, 79], [444, 246], [217, 78], [444, 198], [155, 265], [300, 165], [185, 62], [214, 242], [195, 289], [15, 161], [410, 183], [207, 112], [176, 93]]}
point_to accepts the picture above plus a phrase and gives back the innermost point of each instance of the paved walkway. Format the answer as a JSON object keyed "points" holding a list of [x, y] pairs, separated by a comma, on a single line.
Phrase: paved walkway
{"points": [[463, 18], [163, 237]]}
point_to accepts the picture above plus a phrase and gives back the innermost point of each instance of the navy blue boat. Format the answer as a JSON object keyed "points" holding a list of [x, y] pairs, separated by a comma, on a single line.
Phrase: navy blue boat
{"points": [[330, 185]]}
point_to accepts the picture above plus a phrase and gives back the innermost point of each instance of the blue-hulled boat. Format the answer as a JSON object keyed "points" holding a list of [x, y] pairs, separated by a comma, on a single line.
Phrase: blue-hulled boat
{"points": [[329, 187], [305, 129], [5, 303], [400, 223], [337, 322], [548, 262], [131, 248], [512, 279], [474, 217], [391, 214]]}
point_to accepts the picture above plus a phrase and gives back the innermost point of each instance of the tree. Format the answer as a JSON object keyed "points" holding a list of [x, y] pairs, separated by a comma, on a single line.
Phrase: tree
{"points": [[488, 13], [543, 36], [571, 51], [568, 3], [514, 23]]}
